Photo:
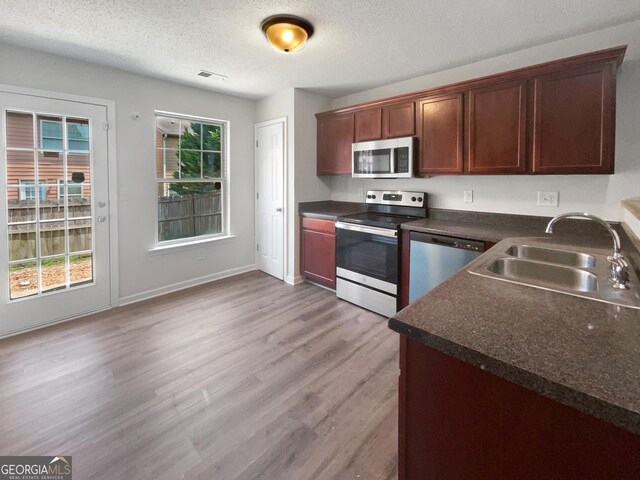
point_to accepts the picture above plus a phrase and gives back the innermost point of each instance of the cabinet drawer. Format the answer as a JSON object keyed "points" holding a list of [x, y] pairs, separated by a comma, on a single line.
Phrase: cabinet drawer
{"points": [[319, 225]]}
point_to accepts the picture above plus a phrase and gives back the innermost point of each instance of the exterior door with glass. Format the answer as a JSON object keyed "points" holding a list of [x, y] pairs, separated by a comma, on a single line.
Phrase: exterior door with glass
{"points": [[54, 220]]}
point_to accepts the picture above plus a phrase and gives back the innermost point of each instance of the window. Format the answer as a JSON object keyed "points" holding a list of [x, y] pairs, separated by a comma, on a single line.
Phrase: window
{"points": [[28, 190], [51, 137], [73, 191], [191, 177]]}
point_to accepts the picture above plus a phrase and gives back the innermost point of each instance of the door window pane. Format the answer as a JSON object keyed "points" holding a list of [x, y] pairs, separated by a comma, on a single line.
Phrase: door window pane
{"points": [[78, 134], [20, 166], [53, 272], [22, 242], [19, 130], [51, 136], [80, 269], [79, 235], [23, 280], [52, 238]]}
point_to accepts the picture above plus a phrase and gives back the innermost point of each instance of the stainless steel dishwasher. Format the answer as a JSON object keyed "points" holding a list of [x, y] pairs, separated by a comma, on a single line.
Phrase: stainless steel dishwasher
{"points": [[434, 258]]}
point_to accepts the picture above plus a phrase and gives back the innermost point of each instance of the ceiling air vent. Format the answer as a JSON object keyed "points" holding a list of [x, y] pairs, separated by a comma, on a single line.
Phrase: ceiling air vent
{"points": [[217, 76]]}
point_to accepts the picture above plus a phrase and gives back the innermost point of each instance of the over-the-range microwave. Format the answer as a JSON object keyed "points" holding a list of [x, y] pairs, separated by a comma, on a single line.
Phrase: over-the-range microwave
{"points": [[392, 158]]}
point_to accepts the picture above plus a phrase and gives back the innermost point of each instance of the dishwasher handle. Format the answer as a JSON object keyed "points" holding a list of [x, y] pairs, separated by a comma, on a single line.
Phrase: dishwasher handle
{"points": [[450, 242]]}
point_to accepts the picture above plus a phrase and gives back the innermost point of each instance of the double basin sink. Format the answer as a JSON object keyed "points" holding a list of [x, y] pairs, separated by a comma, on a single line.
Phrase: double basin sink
{"points": [[580, 274]]}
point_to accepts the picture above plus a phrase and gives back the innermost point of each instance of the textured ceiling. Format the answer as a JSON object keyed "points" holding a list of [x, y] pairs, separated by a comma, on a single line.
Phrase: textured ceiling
{"points": [[357, 45]]}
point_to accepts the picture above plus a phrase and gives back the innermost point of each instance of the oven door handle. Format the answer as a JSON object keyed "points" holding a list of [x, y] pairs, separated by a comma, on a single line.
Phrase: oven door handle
{"points": [[385, 232]]}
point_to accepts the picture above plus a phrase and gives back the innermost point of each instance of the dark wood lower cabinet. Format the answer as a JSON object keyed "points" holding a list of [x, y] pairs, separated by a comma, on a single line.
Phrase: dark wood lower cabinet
{"points": [[458, 422], [318, 251]]}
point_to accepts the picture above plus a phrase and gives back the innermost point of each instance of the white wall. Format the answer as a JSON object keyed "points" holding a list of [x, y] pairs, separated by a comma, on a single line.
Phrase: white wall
{"points": [[139, 273], [599, 194], [299, 107], [279, 105], [308, 186]]}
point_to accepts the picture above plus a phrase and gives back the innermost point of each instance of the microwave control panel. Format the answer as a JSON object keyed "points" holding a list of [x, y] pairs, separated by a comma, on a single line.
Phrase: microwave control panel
{"points": [[402, 159]]}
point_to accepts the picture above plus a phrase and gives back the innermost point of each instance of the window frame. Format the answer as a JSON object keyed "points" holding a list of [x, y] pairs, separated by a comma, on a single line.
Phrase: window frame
{"points": [[24, 183], [224, 180], [61, 185], [70, 151]]}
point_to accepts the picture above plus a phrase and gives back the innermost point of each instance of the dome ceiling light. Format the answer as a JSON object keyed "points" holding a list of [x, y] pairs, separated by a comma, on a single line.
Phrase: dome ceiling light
{"points": [[287, 33]]}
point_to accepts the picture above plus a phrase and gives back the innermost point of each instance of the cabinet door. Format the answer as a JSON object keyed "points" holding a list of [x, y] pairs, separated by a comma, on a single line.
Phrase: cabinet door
{"points": [[368, 124], [399, 120], [440, 130], [318, 251], [335, 136], [574, 120], [496, 128]]}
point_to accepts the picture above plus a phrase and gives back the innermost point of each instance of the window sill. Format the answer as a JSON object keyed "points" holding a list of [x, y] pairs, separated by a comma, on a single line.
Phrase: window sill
{"points": [[176, 247]]}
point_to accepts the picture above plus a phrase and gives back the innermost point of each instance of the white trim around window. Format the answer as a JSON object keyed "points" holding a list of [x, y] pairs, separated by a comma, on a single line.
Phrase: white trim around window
{"points": [[183, 177]]}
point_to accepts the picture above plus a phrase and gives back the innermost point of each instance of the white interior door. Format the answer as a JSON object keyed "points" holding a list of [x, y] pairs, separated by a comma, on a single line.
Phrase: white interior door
{"points": [[54, 228], [270, 198]]}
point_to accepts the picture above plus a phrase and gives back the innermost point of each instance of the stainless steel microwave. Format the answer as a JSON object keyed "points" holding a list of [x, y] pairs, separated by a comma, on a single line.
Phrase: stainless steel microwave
{"points": [[392, 158]]}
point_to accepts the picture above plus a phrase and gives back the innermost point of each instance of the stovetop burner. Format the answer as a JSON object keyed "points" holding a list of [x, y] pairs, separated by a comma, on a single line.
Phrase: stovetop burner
{"points": [[390, 209]]}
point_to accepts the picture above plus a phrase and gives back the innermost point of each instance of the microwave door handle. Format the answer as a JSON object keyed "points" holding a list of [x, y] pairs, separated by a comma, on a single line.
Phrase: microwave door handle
{"points": [[392, 163]]}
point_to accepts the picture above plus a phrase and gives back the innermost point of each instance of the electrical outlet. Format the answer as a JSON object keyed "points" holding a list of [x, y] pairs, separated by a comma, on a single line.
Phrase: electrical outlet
{"points": [[468, 196], [361, 192], [548, 199]]}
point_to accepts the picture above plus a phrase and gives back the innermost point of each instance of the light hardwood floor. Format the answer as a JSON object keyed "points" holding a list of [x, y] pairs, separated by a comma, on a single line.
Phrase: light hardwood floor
{"points": [[244, 378]]}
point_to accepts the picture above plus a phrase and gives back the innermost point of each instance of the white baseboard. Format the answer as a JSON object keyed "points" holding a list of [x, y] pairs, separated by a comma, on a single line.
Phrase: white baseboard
{"points": [[291, 280], [156, 292]]}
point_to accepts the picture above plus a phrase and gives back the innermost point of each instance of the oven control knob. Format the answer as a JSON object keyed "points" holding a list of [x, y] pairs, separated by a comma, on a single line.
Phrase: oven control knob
{"points": [[413, 199], [419, 199]]}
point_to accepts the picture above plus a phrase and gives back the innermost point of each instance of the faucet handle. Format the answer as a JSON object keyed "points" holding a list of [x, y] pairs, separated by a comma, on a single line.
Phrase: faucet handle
{"points": [[619, 271]]}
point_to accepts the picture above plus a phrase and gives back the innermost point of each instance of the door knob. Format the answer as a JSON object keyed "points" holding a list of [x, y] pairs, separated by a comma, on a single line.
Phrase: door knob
{"points": [[102, 218]]}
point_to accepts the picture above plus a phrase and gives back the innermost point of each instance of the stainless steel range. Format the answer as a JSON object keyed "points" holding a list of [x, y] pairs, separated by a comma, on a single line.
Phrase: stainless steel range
{"points": [[368, 251]]}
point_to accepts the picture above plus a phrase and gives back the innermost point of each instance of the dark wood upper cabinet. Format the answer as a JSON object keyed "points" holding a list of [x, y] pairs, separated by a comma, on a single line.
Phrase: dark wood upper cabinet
{"points": [[496, 128], [335, 136], [440, 132], [368, 124], [399, 120], [554, 118], [574, 120]]}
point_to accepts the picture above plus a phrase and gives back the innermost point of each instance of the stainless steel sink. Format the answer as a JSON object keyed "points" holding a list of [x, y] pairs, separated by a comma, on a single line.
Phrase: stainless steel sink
{"points": [[551, 255], [539, 264], [545, 274]]}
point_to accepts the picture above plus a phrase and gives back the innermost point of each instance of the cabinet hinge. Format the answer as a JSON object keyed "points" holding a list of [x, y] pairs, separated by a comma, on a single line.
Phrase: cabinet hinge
{"points": [[256, 143], [257, 196], [105, 125], [257, 247]]}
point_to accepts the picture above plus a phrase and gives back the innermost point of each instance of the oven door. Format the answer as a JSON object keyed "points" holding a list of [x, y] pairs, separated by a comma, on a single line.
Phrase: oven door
{"points": [[368, 255]]}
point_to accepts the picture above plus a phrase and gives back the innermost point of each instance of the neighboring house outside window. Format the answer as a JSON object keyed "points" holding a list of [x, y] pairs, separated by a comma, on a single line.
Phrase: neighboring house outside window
{"points": [[51, 135], [27, 190], [73, 191], [191, 177]]}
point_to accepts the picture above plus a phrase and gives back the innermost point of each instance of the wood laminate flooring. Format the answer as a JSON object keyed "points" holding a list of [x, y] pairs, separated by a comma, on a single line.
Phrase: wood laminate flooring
{"points": [[243, 378]]}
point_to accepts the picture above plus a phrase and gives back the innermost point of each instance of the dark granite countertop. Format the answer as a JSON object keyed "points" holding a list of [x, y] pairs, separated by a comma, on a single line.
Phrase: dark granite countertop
{"points": [[579, 352], [329, 209]]}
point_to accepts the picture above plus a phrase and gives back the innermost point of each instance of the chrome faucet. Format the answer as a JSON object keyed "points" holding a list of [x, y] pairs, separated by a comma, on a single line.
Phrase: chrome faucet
{"points": [[619, 264]]}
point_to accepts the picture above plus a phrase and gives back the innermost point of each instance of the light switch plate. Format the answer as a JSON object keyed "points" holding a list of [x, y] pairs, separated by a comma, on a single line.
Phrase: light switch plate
{"points": [[468, 196], [548, 199]]}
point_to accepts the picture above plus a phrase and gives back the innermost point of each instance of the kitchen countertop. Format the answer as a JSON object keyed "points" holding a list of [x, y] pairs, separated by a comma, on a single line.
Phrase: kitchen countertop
{"points": [[579, 352], [329, 209]]}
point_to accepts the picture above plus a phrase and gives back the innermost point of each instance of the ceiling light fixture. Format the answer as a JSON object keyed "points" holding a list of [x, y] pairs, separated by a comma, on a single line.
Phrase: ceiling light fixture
{"points": [[287, 33]]}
